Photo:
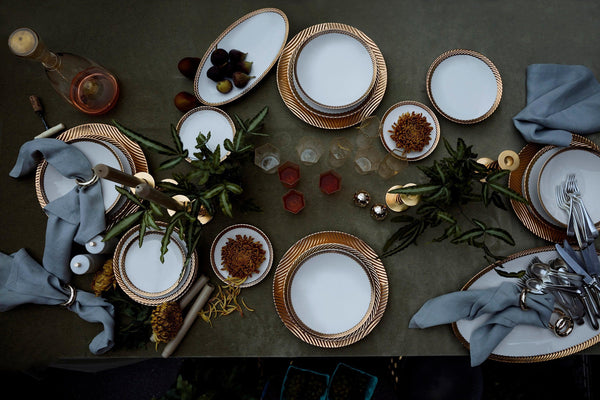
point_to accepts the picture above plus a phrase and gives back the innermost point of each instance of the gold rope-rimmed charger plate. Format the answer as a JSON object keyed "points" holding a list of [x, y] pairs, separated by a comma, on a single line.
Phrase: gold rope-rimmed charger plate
{"points": [[108, 132], [314, 117], [330, 241], [142, 276], [532, 221], [525, 343], [464, 86]]}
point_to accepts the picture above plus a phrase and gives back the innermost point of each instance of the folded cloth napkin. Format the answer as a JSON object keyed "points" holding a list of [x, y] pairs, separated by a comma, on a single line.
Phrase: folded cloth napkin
{"points": [[501, 302], [23, 280], [77, 216], [561, 100]]}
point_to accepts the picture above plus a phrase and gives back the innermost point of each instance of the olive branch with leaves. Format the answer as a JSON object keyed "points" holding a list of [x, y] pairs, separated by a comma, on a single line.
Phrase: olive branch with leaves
{"points": [[213, 180], [453, 183]]}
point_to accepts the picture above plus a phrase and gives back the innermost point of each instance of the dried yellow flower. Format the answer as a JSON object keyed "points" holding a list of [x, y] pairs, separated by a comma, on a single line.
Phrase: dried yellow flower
{"points": [[225, 301], [166, 320], [104, 278]]}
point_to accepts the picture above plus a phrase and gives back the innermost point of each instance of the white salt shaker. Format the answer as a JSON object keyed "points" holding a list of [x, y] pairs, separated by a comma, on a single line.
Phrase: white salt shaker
{"points": [[96, 246], [86, 263]]}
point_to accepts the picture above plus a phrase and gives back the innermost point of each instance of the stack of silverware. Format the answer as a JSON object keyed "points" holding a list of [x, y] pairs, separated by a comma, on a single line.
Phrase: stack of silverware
{"points": [[585, 264]]}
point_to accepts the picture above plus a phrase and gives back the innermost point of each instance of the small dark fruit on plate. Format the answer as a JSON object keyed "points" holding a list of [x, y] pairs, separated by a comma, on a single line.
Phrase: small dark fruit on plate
{"points": [[224, 86], [219, 57], [215, 73], [188, 66], [236, 56], [244, 66], [185, 101], [241, 79]]}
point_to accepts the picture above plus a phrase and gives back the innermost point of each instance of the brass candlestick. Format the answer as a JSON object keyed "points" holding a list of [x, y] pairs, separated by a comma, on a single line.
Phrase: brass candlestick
{"points": [[172, 204], [401, 202], [105, 172]]}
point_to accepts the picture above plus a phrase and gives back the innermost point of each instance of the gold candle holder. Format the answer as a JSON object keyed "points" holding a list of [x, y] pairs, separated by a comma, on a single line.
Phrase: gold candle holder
{"points": [[401, 202]]}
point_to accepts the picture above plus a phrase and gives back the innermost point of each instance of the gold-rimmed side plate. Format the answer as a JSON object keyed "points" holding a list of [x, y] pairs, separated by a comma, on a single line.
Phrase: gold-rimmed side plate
{"points": [[143, 277], [319, 119], [391, 116], [290, 261], [205, 120], [525, 343], [464, 86], [262, 34], [532, 221], [231, 232]]}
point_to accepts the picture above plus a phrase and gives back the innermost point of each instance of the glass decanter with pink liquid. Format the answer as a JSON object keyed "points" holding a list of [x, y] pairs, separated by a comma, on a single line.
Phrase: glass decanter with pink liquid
{"points": [[84, 84]]}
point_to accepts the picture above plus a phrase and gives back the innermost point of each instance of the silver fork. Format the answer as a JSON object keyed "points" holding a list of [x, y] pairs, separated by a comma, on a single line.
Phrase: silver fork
{"points": [[562, 200], [586, 220]]}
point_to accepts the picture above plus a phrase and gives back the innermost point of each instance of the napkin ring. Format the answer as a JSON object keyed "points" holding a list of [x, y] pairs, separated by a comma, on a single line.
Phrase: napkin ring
{"points": [[90, 182], [563, 325], [522, 298], [72, 296]]}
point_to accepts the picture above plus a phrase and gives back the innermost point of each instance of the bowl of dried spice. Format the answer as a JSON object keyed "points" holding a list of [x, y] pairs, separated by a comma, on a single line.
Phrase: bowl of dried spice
{"points": [[241, 252], [409, 130]]}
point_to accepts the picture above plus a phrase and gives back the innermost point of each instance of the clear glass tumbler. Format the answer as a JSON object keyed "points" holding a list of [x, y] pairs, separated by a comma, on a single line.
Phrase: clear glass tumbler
{"points": [[267, 158], [309, 150], [340, 150]]}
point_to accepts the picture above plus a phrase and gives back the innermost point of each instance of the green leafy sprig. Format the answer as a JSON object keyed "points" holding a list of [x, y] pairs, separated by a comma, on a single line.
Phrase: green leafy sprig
{"points": [[453, 182], [213, 180]]}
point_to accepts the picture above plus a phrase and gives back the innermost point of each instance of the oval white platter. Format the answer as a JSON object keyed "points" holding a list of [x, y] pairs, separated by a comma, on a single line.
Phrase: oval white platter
{"points": [[525, 343], [205, 120], [464, 86], [585, 164], [319, 76], [391, 116], [244, 230], [262, 34], [55, 185]]}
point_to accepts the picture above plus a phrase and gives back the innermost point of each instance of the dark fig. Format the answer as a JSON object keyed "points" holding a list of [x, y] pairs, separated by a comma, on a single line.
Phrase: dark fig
{"points": [[241, 79], [224, 86], [227, 69], [188, 66], [219, 57], [185, 101], [215, 73], [236, 56], [244, 66]]}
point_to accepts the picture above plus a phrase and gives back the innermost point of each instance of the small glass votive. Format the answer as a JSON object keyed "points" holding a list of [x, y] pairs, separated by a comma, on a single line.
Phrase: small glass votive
{"points": [[293, 201], [289, 174], [340, 150], [330, 182], [367, 160], [267, 158], [309, 150], [390, 166], [368, 132]]}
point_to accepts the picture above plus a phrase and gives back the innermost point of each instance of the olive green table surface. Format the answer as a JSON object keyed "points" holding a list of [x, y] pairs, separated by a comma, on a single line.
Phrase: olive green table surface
{"points": [[142, 42]]}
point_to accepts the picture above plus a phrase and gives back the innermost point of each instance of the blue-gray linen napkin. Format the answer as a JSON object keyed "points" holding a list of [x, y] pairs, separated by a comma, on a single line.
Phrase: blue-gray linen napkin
{"points": [[501, 302], [23, 281], [561, 100], [77, 216]]}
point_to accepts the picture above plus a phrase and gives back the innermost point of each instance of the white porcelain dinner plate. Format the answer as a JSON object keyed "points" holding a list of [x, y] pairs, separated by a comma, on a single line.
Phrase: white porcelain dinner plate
{"points": [[231, 232], [525, 343], [391, 116], [334, 70], [140, 272], [262, 34], [330, 290], [530, 182], [585, 164], [55, 185], [464, 86], [204, 120]]}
